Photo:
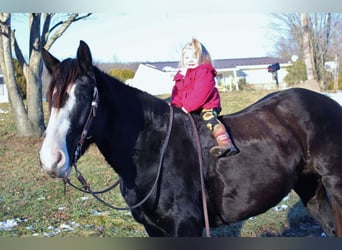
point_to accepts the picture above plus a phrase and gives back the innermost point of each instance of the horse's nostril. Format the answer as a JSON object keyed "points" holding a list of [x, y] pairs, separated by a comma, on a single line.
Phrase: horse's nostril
{"points": [[60, 160], [55, 164]]}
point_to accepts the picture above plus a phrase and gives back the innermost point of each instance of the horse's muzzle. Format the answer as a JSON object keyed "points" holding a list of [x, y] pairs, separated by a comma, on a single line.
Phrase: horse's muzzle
{"points": [[59, 168]]}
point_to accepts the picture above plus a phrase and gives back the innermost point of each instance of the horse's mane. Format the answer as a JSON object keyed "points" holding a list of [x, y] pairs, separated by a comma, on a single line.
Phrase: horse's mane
{"points": [[65, 74], [122, 90]]}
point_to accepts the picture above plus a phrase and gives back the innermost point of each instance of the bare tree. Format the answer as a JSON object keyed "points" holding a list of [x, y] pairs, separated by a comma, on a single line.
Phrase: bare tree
{"points": [[22, 124], [29, 117], [317, 33], [287, 35], [307, 47]]}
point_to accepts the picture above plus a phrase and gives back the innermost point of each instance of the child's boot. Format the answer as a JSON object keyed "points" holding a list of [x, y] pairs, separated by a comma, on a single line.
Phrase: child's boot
{"points": [[224, 147]]}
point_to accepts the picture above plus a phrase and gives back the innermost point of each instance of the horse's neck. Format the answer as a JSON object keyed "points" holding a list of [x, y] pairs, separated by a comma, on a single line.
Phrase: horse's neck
{"points": [[125, 115]]}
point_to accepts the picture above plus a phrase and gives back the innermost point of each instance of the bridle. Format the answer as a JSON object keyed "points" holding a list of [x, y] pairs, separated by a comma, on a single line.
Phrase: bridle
{"points": [[86, 188], [91, 116]]}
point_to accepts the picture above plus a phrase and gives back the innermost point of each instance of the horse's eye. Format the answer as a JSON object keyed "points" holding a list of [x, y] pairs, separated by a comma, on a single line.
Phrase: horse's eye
{"points": [[83, 94], [83, 97]]}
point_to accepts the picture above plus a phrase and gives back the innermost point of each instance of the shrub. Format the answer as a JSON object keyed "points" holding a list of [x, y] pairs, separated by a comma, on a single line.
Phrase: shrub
{"points": [[20, 78], [331, 83], [121, 74], [296, 73]]}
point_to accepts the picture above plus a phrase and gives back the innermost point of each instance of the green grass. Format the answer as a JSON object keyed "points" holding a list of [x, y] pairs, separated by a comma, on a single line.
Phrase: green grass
{"points": [[40, 207]]}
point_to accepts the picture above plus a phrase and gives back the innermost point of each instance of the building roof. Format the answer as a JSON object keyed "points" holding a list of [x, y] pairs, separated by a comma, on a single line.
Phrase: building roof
{"points": [[223, 63], [163, 66], [238, 62]]}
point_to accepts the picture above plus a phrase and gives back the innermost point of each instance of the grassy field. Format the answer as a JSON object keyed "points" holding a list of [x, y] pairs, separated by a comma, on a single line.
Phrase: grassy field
{"points": [[32, 204]]}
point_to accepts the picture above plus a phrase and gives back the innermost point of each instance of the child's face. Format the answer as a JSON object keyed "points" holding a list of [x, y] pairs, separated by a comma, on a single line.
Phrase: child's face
{"points": [[190, 59]]}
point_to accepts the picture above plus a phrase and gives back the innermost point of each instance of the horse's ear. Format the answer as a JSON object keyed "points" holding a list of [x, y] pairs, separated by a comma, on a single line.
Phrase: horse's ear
{"points": [[50, 61], [84, 58]]}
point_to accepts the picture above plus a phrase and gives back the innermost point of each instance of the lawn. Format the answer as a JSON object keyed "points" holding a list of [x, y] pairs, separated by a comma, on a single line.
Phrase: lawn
{"points": [[33, 204]]}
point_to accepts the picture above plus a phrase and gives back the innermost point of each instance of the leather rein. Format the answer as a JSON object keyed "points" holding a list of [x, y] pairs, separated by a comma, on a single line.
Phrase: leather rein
{"points": [[86, 186]]}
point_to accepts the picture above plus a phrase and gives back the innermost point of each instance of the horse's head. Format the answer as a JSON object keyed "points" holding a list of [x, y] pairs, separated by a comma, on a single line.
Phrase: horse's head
{"points": [[70, 97]]}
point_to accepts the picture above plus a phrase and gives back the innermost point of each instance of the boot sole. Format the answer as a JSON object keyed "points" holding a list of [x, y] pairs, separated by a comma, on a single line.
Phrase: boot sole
{"points": [[219, 152]]}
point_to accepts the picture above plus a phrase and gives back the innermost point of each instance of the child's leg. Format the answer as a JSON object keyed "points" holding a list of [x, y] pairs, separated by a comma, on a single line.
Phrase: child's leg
{"points": [[225, 146]]}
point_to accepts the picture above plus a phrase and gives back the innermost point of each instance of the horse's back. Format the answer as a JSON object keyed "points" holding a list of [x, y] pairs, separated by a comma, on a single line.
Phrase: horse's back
{"points": [[276, 136], [302, 111]]}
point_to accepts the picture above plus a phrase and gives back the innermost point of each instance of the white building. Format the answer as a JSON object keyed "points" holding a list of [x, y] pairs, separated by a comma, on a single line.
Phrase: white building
{"points": [[157, 77], [148, 78], [252, 72]]}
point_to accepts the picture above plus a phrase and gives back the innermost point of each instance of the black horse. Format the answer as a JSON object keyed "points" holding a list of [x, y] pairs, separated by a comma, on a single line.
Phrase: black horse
{"points": [[290, 139]]}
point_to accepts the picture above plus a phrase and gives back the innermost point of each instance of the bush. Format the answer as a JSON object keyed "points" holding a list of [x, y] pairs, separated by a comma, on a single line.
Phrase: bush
{"points": [[331, 83], [296, 73], [121, 74], [20, 78]]}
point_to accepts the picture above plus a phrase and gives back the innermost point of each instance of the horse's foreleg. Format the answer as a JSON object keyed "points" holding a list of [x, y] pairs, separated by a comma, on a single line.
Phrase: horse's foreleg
{"points": [[338, 217], [171, 227], [333, 184], [320, 207]]}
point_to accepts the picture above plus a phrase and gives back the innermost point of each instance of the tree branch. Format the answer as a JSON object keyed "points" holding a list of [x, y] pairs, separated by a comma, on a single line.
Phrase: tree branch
{"points": [[63, 26], [17, 50], [75, 20], [46, 24]]}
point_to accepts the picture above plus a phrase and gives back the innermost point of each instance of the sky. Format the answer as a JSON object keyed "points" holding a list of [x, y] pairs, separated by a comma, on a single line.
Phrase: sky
{"points": [[139, 33], [156, 30]]}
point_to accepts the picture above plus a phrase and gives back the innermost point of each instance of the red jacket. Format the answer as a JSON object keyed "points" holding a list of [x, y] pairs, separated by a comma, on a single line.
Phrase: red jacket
{"points": [[196, 90]]}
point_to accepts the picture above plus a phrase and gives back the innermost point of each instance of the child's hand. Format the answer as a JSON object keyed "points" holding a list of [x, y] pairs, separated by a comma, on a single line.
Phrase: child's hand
{"points": [[182, 71]]}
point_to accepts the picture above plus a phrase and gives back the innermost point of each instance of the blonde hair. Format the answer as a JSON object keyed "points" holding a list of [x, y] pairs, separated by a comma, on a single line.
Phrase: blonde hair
{"points": [[200, 51]]}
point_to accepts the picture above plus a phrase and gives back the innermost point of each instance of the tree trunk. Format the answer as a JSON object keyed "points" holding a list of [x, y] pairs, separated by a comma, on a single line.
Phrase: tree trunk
{"points": [[32, 74], [29, 121], [23, 124], [307, 47]]}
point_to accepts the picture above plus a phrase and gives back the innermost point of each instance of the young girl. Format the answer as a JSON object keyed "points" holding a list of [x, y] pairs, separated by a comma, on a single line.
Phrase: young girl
{"points": [[195, 91]]}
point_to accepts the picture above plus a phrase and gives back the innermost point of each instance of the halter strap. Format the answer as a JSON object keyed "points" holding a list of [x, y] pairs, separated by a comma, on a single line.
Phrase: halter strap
{"points": [[92, 114]]}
